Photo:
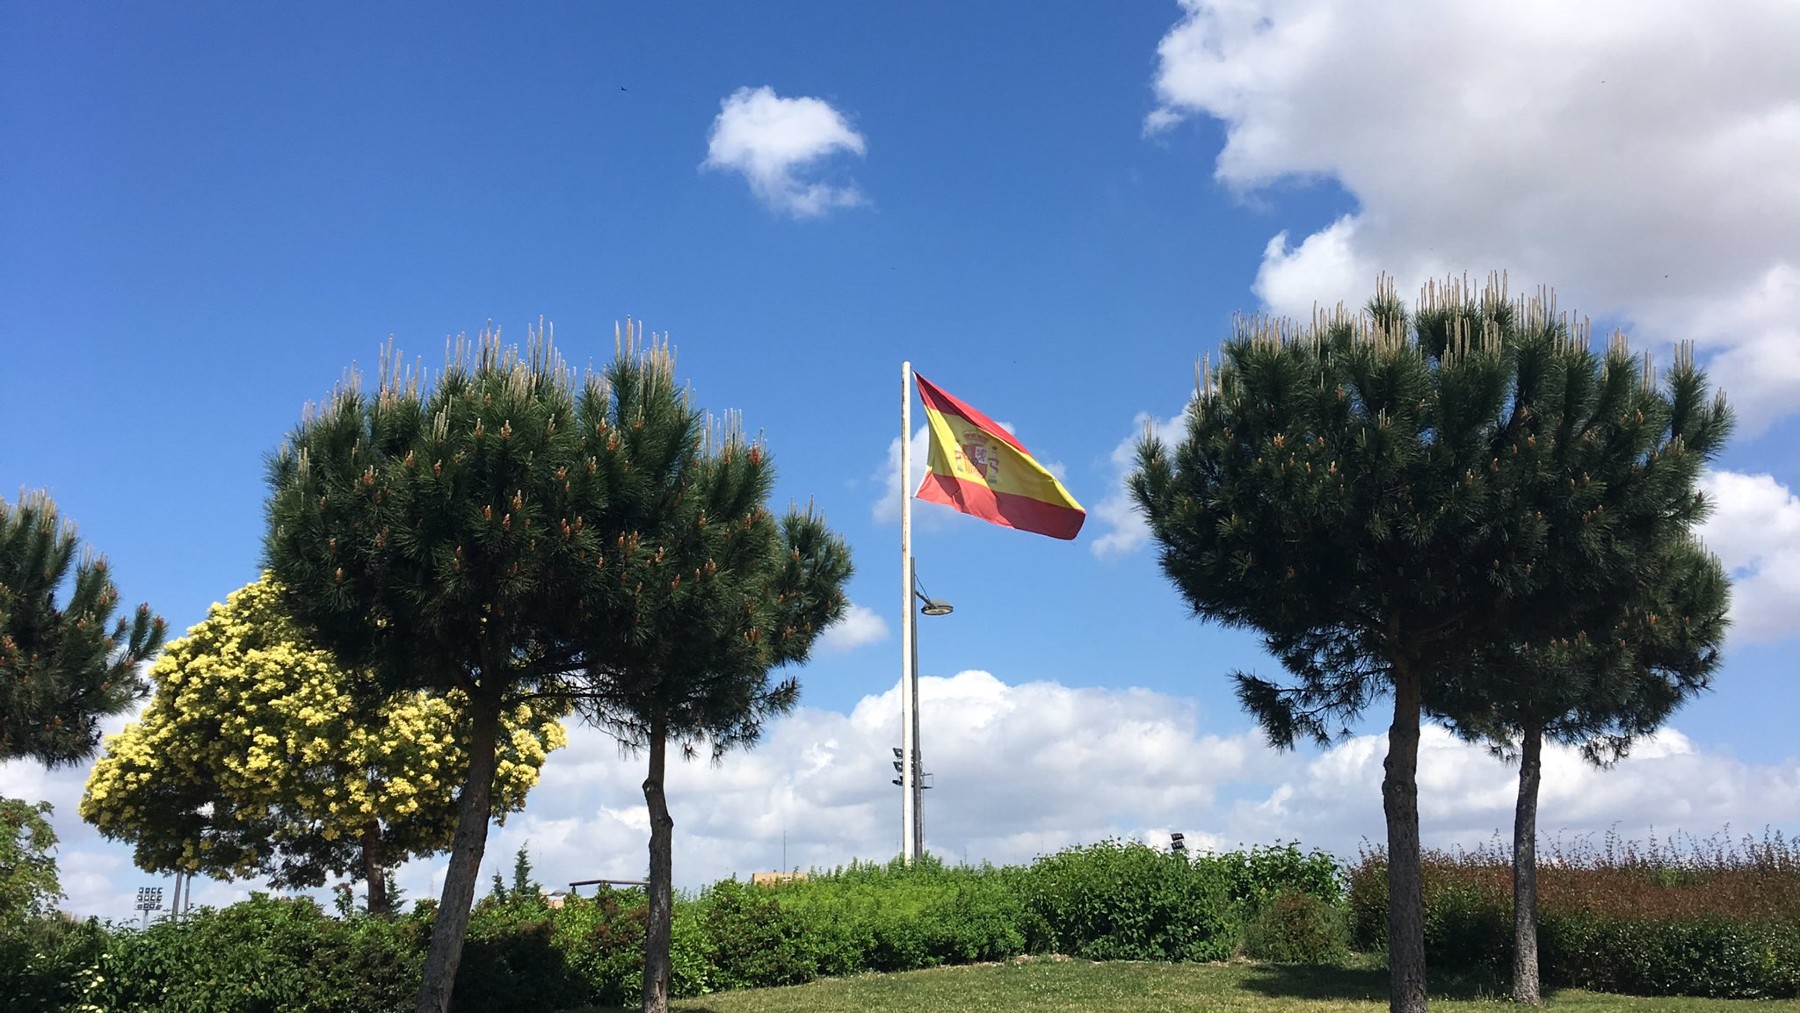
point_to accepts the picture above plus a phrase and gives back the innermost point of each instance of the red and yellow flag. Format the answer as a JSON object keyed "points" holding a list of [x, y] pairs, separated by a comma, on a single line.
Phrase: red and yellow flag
{"points": [[978, 468]]}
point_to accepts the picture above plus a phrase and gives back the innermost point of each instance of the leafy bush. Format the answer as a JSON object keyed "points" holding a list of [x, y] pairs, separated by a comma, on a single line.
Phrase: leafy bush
{"points": [[47, 964], [1122, 900], [755, 941], [1258, 876], [264, 954], [602, 939], [510, 961], [1296, 928]]}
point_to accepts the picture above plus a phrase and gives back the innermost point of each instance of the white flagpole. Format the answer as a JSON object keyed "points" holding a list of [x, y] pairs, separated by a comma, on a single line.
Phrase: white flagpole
{"points": [[908, 686]]}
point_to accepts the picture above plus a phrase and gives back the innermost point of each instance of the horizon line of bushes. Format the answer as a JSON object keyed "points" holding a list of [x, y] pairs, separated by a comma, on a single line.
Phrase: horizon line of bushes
{"points": [[1716, 919]]}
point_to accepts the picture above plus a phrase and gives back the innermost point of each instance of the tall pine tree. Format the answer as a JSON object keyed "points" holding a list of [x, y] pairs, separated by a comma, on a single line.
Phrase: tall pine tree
{"points": [[1630, 612], [1383, 497], [439, 533], [721, 593]]}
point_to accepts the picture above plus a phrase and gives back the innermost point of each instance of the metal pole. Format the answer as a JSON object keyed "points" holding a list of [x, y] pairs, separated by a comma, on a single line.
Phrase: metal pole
{"points": [[909, 812], [918, 749]]}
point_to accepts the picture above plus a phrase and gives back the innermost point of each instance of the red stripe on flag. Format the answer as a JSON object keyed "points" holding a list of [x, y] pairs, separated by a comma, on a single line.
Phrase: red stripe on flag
{"points": [[937, 400], [1003, 508]]}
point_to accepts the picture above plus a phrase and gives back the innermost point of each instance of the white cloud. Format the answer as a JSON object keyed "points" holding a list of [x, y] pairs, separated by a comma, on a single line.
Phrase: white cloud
{"points": [[1020, 769], [1639, 155], [858, 626], [778, 144], [887, 508], [1755, 531], [1127, 531]]}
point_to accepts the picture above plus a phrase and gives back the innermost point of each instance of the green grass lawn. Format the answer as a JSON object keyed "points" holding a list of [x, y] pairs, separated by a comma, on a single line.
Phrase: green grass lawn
{"points": [[1034, 985]]}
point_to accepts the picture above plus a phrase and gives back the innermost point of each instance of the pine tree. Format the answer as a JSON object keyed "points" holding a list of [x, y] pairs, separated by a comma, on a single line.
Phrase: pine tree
{"points": [[62, 667], [1631, 611], [438, 534], [1394, 501], [510, 533], [721, 594]]}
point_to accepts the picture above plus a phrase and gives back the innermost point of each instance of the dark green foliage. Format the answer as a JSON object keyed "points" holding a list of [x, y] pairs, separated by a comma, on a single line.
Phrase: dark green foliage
{"points": [[512, 963], [755, 939], [46, 963], [1121, 900], [62, 667], [1296, 928], [1466, 509], [1256, 876], [264, 955], [508, 530]]}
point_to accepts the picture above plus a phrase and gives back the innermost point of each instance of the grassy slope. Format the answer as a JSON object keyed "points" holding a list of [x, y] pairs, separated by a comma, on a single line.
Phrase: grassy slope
{"points": [[1043, 986]]}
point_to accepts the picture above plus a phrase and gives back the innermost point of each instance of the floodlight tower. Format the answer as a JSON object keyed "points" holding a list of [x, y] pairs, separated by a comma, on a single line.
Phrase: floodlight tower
{"points": [[149, 898]]}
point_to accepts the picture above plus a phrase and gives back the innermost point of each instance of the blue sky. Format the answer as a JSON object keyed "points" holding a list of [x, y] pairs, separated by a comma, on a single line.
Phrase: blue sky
{"points": [[209, 211]]}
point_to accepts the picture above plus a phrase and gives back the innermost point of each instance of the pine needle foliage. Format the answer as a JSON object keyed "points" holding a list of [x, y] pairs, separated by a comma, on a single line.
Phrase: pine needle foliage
{"points": [[63, 666], [717, 594], [1398, 503], [512, 530]]}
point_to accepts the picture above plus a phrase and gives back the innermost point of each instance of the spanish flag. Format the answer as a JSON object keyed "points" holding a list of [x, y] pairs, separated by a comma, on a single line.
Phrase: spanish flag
{"points": [[978, 468]]}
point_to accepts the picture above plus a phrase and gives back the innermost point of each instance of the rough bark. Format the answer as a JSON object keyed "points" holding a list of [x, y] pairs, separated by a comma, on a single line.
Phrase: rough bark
{"points": [[656, 930], [1525, 984], [1406, 894], [374, 873], [475, 807]]}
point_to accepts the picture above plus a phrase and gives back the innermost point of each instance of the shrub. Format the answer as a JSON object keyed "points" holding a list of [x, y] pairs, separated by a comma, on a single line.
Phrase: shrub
{"points": [[752, 940], [602, 939], [510, 962], [264, 954], [1296, 928], [1711, 919], [1256, 877], [1120, 900], [47, 963]]}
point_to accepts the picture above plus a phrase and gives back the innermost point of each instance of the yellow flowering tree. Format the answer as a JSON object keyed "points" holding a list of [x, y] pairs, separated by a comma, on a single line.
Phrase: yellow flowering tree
{"points": [[259, 755]]}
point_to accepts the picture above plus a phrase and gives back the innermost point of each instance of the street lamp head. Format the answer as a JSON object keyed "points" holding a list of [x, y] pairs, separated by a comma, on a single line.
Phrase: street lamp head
{"points": [[927, 604]]}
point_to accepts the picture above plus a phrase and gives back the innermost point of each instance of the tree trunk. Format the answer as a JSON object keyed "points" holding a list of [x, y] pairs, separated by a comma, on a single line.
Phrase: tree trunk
{"points": [[662, 826], [1406, 893], [475, 806], [374, 873], [1525, 985]]}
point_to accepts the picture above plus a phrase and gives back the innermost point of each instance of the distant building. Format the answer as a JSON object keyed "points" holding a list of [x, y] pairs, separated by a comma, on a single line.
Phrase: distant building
{"points": [[774, 878]]}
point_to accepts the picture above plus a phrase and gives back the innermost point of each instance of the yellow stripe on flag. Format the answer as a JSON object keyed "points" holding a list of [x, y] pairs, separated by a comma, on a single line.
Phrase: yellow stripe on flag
{"points": [[982, 470]]}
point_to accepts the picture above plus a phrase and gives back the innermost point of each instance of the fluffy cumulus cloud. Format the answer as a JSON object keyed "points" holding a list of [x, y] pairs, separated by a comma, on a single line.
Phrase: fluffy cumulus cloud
{"points": [[860, 625], [1019, 769], [1755, 531], [781, 145], [1124, 528], [1638, 154]]}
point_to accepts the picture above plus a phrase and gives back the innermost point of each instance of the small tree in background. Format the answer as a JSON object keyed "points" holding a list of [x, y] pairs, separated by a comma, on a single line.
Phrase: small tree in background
{"points": [[259, 755], [1389, 501], [719, 595], [28, 884], [62, 667]]}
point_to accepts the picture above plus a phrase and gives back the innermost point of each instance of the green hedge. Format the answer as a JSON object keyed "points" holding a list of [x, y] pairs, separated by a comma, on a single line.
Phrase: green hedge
{"points": [[1638, 928], [1713, 922]]}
